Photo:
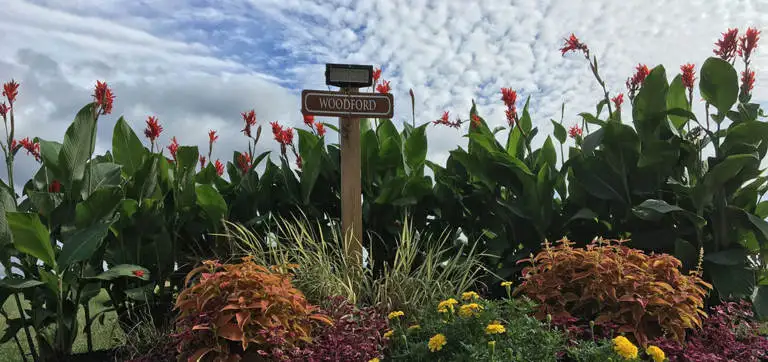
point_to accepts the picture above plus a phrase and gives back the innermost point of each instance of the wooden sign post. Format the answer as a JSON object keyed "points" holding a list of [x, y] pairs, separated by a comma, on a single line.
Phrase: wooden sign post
{"points": [[349, 105]]}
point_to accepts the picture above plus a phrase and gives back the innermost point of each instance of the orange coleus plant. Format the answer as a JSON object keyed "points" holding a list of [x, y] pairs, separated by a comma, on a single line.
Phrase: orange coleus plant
{"points": [[242, 309], [607, 282]]}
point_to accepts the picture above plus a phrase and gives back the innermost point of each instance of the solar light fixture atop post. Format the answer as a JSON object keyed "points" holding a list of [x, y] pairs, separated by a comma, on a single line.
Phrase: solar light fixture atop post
{"points": [[349, 75], [349, 105]]}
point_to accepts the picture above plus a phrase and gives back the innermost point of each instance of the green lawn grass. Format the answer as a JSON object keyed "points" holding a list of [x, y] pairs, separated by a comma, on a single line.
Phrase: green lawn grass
{"points": [[106, 336]]}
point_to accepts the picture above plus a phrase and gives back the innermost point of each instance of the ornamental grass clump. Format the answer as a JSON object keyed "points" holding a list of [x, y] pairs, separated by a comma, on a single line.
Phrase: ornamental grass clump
{"points": [[243, 310], [645, 296]]}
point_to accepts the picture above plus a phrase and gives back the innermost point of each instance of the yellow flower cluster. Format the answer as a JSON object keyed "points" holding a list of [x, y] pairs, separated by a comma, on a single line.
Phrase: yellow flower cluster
{"points": [[506, 284], [414, 327], [624, 347], [375, 359], [446, 305], [470, 310], [495, 328], [656, 353], [395, 314], [389, 334], [437, 342], [469, 296]]}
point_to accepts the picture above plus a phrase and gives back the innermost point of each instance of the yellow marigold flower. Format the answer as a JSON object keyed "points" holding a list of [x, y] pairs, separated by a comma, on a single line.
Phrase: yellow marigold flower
{"points": [[437, 342], [442, 310], [389, 334], [395, 314], [506, 284], [624, 347], [469, 310], [495, 328], [656, 353], [414, 327], [446, 304], [374, 359], [469, 296]]}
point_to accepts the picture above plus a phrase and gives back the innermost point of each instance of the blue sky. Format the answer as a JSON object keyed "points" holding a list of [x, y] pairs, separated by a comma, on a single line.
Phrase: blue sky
{"points": [[196, 64]]}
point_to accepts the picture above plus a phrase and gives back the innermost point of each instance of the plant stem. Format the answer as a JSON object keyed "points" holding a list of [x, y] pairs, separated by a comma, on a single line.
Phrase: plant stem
{"points": [[88, 333], [21, 349], [30, 341]]}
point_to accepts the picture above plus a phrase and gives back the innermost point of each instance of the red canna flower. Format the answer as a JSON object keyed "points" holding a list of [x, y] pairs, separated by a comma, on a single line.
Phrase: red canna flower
{"points": [[509, 97], [244, 162], [276, 130], [10, 91], [748, 43], [636, 81], [4, 109], [32, 148], [573, 44], [443, 119], [727, 46], [298, 162], [212, 137], [618, 101], [250, 120], [287, 136], [575, 131], [14, 146], [309, 120], [219, 167], [173, 147], [747, 81], [383, 87], [202, 162], [376, 75], [320, 129], [688, 75], [103, 97], [54, 187], [153, 129], [138, 273]]}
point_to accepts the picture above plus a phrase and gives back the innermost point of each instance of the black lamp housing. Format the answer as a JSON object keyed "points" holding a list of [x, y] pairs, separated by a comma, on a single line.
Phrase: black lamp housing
{"points": [[349, 75]]}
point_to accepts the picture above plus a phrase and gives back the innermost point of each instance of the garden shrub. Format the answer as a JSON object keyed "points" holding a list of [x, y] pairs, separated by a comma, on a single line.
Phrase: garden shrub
{"points": [[644, 295], [243, 309], [474, 329], [730, 333]]}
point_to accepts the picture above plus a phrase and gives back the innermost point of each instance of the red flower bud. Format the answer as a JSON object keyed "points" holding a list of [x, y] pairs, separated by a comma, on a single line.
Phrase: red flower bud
{"points": [[138, 273], [573, 44], [11, 90], [202, 162], [309, 120], [212, 136], [747, 81], [617, 101], [153, 129], [250, 120], [244, 162], [383, 87], [376, 74], [54, 187], [173, 147], [219, 167], [103, 97], [748, 43], [4, 109], [320, 129], [727, 45], [575, 131], [688, 75], [32, 148]]}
